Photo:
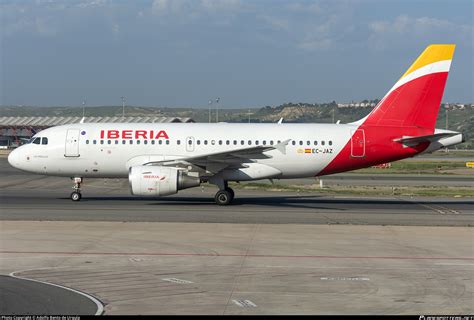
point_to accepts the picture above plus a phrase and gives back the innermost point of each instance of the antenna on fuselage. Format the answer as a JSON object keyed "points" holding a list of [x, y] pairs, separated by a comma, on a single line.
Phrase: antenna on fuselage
{"points": [[280, 121]]}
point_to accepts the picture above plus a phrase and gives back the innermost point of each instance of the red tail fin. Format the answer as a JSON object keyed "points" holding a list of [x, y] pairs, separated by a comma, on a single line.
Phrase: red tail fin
{"points": [[415, 99]]}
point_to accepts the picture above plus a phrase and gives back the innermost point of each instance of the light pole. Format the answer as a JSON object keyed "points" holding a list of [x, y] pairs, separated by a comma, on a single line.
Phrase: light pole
{"points": [[217, 109], [210, 104], [83, 108], [123, 106], [447, 115]]}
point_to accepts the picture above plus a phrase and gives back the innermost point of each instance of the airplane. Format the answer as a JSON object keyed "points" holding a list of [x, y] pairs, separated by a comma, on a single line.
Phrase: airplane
{"points": [[160, 159]]}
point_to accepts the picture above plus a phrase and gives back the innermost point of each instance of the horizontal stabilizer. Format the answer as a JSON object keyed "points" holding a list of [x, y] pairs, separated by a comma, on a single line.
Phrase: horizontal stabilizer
{"points": [[410, 141]]}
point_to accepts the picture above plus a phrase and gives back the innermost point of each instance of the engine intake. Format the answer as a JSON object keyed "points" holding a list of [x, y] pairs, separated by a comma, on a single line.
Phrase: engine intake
{"points": [[159, 181]]}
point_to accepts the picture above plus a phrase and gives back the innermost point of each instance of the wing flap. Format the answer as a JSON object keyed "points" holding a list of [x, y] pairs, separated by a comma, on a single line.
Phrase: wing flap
{"points": [[217, 161]]}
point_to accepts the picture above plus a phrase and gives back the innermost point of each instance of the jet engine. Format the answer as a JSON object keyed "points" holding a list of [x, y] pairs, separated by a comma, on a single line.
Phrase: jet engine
{"points": [[159, 181]]}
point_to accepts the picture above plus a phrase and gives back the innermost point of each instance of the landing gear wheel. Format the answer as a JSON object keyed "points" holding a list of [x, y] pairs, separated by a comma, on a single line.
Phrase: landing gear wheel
{"points": [[76, 196], [223, 197], [232, 194]]}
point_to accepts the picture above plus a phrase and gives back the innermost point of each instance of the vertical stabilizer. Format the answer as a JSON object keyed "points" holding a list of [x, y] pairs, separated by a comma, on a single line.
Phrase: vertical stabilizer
{"points": [[415, 99]]}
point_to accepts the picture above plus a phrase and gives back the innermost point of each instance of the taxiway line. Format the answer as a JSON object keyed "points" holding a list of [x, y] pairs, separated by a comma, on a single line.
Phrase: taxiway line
{"points": [[231, 255]]}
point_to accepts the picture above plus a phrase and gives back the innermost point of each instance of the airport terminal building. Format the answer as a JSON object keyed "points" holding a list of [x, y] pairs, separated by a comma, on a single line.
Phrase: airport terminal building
{"points": [[15, 130]]}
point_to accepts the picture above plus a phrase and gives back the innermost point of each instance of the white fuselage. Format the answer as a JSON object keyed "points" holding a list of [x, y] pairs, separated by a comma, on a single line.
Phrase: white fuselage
{"points": [[92, 152]]}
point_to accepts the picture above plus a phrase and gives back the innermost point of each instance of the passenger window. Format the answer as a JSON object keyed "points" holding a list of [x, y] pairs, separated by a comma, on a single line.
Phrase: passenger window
{"points": [[293, 142], [198, 142], [152, 141], [205, 142], [160, 141], [101, 141], [315, 142], [190, 142], [44, 140], [124, 141], [250, 142], [271, 142], [87, 141], [227, 142], [145, 141], [213, 142], [330, 142], [279, 141], [301, 143], [116, 142], [264, 142], [323, 143], [178, 142], [95, 141], [131, 141], [138, 141], [167, 142], [235, 142], [109, 142], [220, 142], [256, 143], [308, 142]]}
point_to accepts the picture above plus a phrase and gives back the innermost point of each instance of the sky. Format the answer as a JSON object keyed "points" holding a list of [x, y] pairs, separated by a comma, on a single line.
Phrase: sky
{"points": [[249, 53]]}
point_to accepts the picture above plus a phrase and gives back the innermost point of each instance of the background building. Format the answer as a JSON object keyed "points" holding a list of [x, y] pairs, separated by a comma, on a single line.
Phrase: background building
{"points": [[16, 130]]}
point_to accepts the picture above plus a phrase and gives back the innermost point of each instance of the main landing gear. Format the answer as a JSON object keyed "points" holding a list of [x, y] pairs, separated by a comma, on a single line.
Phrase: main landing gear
{"points": [[76, 194], [224, 197]]}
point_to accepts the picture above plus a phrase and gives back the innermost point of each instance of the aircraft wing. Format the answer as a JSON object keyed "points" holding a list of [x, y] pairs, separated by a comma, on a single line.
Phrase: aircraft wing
{"points": [[217, 161]]}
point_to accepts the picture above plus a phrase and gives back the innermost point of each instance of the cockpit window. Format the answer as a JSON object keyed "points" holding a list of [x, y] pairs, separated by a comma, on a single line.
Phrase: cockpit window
{"points": [[38, 140]]}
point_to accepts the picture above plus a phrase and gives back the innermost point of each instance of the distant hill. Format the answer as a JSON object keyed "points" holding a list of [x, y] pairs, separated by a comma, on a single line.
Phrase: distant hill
{"points": [[459, 119]]}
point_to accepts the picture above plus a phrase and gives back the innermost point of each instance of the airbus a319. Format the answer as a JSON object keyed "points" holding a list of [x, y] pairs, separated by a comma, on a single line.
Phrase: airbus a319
{"points": [[161, 159]]}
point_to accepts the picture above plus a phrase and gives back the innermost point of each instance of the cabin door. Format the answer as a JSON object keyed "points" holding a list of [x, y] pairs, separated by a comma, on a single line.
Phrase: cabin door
{"points": [[72, 143]]}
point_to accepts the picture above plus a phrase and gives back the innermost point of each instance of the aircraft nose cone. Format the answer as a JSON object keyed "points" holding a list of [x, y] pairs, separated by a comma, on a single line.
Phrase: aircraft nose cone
{"points": [[13, 158]]}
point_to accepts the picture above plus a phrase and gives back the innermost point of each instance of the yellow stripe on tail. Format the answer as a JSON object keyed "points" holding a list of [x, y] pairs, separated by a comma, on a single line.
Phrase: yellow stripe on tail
{"points": [[432, 53]]}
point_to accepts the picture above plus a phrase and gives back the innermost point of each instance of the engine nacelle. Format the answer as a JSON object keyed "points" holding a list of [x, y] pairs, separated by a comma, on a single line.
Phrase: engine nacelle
{"points": [[159, 181]]}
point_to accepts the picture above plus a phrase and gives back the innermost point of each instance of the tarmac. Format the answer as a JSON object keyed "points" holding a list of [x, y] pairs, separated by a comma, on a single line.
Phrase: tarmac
{"points": [[26, 297], [270, 253]]}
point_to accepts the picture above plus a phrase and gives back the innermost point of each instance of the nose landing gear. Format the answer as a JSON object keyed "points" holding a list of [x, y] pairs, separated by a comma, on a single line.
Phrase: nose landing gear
{"points": [[76, 194]]}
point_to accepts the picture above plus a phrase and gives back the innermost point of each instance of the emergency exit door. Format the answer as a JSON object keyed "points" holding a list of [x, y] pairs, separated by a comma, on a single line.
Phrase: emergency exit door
{"points": [[358, 143], [190, 144], [72, 143]]}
